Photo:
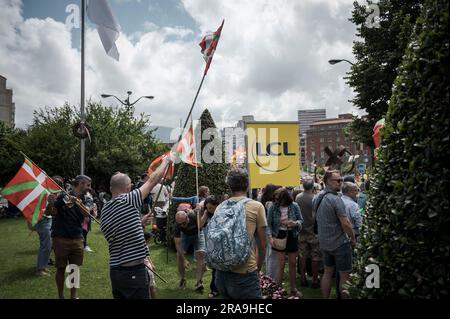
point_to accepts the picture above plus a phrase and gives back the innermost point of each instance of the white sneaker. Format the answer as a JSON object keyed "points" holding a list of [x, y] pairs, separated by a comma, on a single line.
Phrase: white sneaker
{"points": [[88, 249]]}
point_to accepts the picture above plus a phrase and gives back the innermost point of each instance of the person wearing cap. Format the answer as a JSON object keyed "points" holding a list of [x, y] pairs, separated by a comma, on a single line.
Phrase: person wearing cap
{"points": [[67, 231]]}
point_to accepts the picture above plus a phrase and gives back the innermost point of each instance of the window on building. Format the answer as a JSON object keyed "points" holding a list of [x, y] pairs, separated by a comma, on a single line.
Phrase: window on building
{"points": [[322, 140]]}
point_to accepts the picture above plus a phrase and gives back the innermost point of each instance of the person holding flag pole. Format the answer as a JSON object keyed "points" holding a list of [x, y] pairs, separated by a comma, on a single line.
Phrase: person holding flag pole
{"points": [[31, 181], [123, 228], [30, 190]]}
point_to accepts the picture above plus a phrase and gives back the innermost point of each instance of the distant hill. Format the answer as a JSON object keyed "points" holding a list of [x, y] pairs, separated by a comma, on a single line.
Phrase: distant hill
{"points": [[162, 133]]}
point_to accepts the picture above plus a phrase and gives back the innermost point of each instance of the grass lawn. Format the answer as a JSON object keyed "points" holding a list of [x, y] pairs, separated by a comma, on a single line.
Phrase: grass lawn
{"points": [[18, 254]]}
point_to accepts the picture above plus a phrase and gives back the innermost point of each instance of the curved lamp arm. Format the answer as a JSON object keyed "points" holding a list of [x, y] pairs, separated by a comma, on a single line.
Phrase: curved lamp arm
{"points": [[148, 97]]}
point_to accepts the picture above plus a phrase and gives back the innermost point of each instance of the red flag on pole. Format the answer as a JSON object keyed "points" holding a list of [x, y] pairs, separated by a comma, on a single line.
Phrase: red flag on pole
{"points": [[157, 162], [28, 190], [209, 45], [185, 148]]}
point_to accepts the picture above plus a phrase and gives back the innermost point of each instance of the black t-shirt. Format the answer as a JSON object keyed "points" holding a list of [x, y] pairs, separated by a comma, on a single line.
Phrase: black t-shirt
{"points": [[191, 228], [68, 221]]}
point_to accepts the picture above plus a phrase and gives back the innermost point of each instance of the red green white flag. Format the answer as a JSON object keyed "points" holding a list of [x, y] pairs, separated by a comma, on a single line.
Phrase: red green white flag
{"points": [[28, 190], [209, 45], [157, 162], [186, 147]]}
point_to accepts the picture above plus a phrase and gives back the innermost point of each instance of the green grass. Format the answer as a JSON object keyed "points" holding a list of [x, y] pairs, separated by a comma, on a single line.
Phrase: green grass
{"points": [[18, 254]]}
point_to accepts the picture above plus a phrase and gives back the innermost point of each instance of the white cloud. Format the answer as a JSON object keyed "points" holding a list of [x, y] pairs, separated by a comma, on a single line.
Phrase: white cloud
{"points": [[270, 62]]}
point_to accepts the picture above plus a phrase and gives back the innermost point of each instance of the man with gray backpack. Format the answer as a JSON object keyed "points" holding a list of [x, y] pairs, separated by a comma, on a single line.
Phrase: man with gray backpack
{"points": [[230, 241]]}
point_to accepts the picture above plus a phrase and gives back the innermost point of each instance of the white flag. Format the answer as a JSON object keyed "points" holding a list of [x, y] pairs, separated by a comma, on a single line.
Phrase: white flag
{"points": [[100, 13]]}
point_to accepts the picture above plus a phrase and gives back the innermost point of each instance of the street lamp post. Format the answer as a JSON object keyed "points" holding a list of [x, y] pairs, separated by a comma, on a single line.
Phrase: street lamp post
{"points": [[126, 102], [334, 61]]}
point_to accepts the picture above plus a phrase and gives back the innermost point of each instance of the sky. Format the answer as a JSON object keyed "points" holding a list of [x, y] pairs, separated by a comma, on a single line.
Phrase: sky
{"points": [[271, 60]]}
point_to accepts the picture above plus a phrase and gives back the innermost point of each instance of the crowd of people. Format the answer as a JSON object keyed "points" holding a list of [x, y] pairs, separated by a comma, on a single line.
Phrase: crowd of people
{"points": [[312, 228]]}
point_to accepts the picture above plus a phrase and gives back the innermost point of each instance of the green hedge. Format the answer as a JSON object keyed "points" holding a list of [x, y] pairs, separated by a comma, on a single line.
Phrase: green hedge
{"points": [[405, 231]]}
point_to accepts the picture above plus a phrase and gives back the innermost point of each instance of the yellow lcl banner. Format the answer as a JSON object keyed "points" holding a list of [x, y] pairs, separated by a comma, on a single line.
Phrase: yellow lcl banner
{"points": [[273, 153]]}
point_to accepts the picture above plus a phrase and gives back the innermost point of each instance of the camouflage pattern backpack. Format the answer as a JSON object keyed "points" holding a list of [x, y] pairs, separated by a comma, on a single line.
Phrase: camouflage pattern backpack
{"points": [[227, 242]]}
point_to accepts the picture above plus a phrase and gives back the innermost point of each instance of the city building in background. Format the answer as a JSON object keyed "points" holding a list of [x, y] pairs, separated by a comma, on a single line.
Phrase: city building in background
{"points": [[7, 107], [330, 132], [305, 119]]}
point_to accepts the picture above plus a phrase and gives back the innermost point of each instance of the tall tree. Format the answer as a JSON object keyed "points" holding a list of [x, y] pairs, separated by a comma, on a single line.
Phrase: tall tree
{"points": [[50, 142], [120, 142], [378, 55], [405, 231]]}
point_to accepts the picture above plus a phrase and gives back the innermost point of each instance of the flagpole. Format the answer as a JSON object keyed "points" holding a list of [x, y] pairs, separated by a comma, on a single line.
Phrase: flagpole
{"points": [[181, 133], [185, 123], [81, 206], [167, 233], [192, 107], [82, 114], [189, 114], [156, 274], [196, 180]]}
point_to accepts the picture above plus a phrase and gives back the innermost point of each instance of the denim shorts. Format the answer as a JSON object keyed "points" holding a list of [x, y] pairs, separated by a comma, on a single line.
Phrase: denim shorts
{"points": [[341, 258], [238, 286], [197, 241]]}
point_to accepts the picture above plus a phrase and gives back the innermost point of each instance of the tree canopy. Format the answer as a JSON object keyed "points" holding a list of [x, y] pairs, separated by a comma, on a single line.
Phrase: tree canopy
{"points": [[378, 53], [119, 142]]}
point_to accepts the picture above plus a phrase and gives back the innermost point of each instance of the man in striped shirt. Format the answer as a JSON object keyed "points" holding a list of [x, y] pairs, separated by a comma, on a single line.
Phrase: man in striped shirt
{"points": [[124, 230]]}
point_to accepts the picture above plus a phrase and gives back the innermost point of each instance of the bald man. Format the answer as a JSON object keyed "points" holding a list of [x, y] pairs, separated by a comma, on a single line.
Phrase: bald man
{"points": [[124, 230], [186, 234]]}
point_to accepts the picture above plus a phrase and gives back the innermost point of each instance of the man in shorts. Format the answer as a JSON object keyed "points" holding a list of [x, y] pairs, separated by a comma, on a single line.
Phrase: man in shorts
{"points": [[186, 235], [67, 232], [335, 233]]}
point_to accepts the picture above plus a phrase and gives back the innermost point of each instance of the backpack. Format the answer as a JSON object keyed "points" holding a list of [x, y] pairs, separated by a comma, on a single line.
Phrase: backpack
{"points": [[227, 242]]}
